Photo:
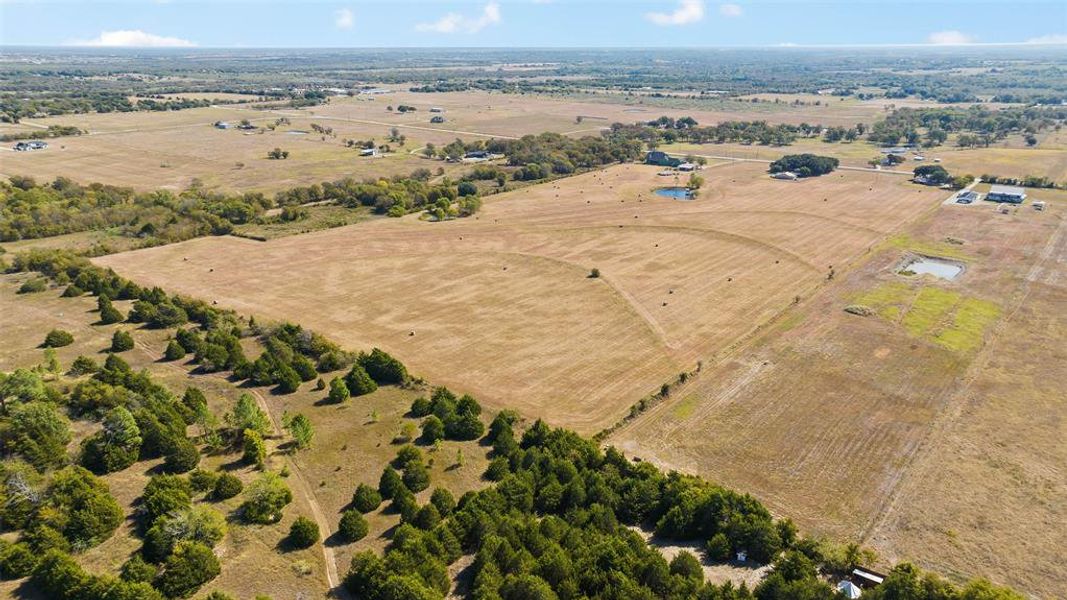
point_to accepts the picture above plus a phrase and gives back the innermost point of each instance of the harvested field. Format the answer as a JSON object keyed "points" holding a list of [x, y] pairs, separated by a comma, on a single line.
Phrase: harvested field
{"points": [[871, 427], [501, 306]]}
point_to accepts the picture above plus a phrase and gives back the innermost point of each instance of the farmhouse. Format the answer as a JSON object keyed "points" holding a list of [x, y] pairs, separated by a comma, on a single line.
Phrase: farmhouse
{"points": [[1006, 193], [661, 159]]}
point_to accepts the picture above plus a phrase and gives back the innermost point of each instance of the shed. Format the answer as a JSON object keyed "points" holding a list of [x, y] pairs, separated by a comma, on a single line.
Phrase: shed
{"points": [[368, 152], [1006, 193], [222, 125], [787, 175], [866, 578]]}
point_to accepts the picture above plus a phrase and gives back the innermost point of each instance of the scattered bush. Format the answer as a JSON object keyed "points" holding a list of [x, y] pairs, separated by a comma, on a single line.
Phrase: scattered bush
{"points": [[366, 498], [121, 341], [353, 527], [359, 382], [227, 486], [303, 533], [174, 351], [57, 338]]}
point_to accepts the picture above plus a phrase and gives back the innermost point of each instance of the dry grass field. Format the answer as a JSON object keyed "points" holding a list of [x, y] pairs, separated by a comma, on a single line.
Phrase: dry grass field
{"points": [[500, 305], [148, 150], [350, 447], [904, 428]]}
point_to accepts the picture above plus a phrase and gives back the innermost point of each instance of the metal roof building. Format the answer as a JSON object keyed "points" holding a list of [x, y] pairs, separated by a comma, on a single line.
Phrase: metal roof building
{"points": [[1006, 193]]}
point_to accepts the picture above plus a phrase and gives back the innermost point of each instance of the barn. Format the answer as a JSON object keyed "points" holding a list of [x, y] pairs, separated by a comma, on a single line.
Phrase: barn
{"points": [[1006, 193]]}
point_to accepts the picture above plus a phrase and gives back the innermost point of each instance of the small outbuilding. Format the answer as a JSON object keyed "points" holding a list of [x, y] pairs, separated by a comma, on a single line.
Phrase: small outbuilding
{"points": [[848, 589], [437, 119], [368, 152], [1006, 193], [786, 175], [222, 125], [866, 578], [436, 109]]}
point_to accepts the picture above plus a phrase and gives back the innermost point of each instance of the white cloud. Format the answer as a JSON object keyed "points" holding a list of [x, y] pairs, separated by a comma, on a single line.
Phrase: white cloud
{"points": [[950, 37], [688, 11], [457, 23], [133, 38], [731, 10], [1052, 38], [344, 19]]}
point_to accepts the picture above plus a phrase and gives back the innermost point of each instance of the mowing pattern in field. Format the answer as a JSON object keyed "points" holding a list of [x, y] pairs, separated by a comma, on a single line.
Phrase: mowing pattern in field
{"points": [[932, 429], [501, 305]]}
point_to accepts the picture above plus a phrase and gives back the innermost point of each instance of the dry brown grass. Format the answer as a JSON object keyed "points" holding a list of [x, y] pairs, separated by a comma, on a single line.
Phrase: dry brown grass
{"points": [[349, 448], [500, 305], [857, 428]]}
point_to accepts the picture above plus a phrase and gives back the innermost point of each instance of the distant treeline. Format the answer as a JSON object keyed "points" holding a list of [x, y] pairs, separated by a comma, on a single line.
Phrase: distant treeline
{"points": [[931, 126]]}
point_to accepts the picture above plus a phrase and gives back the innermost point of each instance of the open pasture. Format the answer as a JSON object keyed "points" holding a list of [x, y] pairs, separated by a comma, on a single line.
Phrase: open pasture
{"points": [[901, 429], [149, 150], [501, 305]]}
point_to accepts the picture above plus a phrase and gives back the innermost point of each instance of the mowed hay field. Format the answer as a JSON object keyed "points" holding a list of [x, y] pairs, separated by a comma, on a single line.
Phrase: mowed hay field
{"points": [[501, 305], [901, 429]]}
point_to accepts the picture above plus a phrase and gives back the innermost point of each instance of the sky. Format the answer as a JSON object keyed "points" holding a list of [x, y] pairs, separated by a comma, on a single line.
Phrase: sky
{"points": [[527, 23]]}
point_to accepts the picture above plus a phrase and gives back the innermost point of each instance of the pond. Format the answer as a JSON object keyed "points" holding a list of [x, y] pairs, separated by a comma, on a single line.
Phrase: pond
{"points": [[678, 193], [926, 265]]}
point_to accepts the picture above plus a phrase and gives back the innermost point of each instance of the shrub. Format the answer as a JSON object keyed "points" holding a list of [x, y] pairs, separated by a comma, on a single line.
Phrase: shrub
{"points": [[416, 477], [718, 548], [174, 351], [116, 446], [39, 433], [137, 570], [121, 341], [339, 391], [432, 429], [467, 188], [83, 365], [383, 368], [16, 560], [366, 498], [359, 382], [190, 566], [108, 313], [389, 483], [443, 500], [227, 486], [182, 456], [303, 533], [255, 451], [427, 517], [265, 499], [498, 469], [57, 338], [203, 481], [287, 378], [72, 291], [353, 527], [165, 494], [33, 286], [420, 407]]}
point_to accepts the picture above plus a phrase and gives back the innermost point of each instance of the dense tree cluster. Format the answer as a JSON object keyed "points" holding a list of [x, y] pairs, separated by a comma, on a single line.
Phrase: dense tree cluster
{"points": [[448, 416], [32, 210], [804, 165], [743, 132]]}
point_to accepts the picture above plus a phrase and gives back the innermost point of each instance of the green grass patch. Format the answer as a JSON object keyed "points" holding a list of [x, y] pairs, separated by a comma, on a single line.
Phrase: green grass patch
{"points": [[685, 408], [973, 317], [887, 300], [929, 311], [949, 319], [943, 249]]}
